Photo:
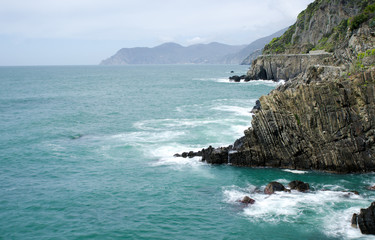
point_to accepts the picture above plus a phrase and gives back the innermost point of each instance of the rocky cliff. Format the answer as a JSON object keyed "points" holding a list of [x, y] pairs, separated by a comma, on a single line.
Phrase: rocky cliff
{"points": [[323, 118], [348, 31]]}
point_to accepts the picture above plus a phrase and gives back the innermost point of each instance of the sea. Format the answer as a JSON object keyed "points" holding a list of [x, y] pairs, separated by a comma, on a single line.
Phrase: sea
{"points": [[86, 152]]}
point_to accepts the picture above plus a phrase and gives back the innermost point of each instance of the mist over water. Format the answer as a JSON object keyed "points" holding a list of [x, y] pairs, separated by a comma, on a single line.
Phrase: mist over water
{"points": [[87, 153]]}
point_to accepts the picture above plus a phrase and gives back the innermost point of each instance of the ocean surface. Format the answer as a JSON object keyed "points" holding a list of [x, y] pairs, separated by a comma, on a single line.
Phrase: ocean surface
{"points": [[86, 152]]}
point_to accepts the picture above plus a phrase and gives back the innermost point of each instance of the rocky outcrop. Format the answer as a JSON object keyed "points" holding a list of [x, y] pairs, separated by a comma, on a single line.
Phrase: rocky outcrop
{"points": [[366, 220], [312, 124], [286, 66]]}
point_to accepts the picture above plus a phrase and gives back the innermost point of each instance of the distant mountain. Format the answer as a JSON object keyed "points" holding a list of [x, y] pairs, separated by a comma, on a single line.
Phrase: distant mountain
{"points": [[173, 53]]}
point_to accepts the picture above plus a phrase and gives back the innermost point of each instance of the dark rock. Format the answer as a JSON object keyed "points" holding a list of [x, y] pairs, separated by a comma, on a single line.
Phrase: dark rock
{"points": [[190, 154], [366, 220], [273, 187], [299, 186], [257, 106], [354, 220], [235, 78], [247, 200], [215, 155], [372, 188], [231, 71], [247, 78]]}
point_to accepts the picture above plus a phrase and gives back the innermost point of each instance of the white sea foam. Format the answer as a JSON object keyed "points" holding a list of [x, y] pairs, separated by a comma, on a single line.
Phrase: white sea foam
{"points": [[295, 171], [240, 111], [337, 225], [148, 137], [297, 206]]}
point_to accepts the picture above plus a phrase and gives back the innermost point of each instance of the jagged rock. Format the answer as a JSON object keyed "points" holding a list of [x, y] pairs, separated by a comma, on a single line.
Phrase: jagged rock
{"points": [[354, 220], [366, 220], [299, 186], [247, 200], [273, 187]]}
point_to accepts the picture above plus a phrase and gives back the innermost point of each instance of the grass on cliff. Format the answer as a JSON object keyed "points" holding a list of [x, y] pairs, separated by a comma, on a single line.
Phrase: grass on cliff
{"points": [[360, 64]]}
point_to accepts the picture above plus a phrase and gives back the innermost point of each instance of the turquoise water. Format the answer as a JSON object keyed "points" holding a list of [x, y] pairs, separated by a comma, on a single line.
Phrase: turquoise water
{"points": [[86, 153]]}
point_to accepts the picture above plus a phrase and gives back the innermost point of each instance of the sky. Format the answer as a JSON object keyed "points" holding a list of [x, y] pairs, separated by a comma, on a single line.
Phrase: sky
{"points": [[84, 32]]}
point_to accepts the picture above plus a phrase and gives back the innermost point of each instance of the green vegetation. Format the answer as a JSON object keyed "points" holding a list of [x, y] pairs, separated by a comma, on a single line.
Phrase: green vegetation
{"points": [[356, 21], [359, 65]]}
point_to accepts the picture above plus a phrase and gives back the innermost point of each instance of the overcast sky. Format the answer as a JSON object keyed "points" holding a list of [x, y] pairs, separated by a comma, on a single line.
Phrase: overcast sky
{"points": [[70, 32]]}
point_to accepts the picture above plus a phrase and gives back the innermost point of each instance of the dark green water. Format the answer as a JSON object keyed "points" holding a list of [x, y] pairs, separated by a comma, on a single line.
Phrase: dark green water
{"points": [[86, 153]]}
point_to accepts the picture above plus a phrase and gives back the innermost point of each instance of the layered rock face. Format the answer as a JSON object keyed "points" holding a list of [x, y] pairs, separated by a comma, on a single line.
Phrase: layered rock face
{"points": [[321, 125]]}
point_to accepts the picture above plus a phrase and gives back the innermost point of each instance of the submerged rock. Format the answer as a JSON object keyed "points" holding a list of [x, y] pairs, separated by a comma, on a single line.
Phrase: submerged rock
{"points": [[366, 220], [273, 187], [299, 186]]}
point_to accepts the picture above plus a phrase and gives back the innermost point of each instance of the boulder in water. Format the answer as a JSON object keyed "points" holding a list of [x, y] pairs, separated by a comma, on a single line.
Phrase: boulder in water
{"points": [[273, 187], [247, 200], [299, 186]]}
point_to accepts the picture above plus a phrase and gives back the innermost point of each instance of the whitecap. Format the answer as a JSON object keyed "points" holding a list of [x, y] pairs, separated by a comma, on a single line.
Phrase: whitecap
{"points": [[295, 171]]}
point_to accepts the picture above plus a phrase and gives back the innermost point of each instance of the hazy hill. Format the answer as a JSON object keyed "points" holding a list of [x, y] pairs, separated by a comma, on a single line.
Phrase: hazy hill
{"points": [[173, 53]]}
